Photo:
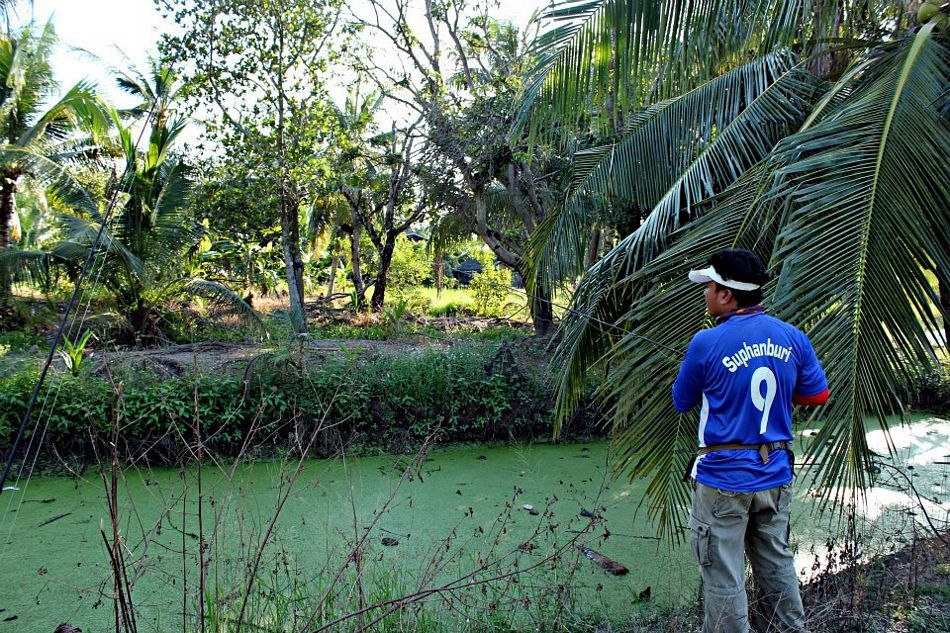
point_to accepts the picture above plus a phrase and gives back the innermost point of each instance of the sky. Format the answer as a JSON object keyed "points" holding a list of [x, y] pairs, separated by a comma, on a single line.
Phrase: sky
{"points": [[97, 35], [94, 35]]}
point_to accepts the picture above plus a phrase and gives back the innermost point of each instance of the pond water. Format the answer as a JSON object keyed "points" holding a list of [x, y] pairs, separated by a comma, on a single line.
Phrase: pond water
{"points": [[458, 509]]}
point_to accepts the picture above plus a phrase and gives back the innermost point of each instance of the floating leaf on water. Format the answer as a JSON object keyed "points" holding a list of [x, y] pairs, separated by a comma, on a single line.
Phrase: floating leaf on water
{"points": [[55, 518]]}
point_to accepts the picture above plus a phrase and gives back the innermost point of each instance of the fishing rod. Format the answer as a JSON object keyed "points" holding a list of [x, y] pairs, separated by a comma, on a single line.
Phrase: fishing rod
{"points": [[57, 339]]}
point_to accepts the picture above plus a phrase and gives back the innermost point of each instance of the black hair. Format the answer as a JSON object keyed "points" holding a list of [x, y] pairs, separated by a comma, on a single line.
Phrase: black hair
{"points": [[739, 264]]}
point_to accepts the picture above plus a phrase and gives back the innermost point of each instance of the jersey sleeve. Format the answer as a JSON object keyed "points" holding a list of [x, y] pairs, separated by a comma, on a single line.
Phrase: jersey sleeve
{"points": [[688, 386], [811, 377]]}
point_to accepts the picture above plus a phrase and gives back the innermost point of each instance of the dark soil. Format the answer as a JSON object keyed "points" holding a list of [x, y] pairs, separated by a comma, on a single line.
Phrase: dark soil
{"points": [[908, 590]]}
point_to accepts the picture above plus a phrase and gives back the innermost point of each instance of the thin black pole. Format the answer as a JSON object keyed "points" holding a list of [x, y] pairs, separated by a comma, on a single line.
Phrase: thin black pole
{"points": [[52, 350], [69, 306]]}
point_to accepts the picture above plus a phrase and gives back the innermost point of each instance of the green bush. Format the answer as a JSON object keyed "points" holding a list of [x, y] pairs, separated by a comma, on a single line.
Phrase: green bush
{"points": [[931, 390], [20, 341], [489, 290], [410, 266], [449, 309], [475, 391]]}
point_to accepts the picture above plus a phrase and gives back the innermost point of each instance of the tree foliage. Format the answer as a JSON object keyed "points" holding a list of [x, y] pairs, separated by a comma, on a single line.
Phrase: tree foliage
{"points": [[40, 140], [257, 71]]}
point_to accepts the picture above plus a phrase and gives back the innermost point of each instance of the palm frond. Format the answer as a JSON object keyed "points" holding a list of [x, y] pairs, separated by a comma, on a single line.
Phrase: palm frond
{"points": [[861, 230], [222, 296], [28, 266], [833, 209], [678, 153], [81, 237], [80, 107], [54, 176], [599, 59]]}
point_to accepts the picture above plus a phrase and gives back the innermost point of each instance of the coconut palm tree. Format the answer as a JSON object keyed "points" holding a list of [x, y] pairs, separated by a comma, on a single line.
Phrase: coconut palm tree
{"points": [[815, 134], [38, 141], [144, 243]]}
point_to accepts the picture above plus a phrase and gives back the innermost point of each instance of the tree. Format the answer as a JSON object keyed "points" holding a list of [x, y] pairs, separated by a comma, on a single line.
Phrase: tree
{"points": [[734, 140], [38, 142], [243, 221], [260, 66], [144, 243], [380, 184], [463, 80]]}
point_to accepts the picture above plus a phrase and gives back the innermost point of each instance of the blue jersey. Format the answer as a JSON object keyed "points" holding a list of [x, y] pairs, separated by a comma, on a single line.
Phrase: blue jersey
{"points": [[744, 372]]}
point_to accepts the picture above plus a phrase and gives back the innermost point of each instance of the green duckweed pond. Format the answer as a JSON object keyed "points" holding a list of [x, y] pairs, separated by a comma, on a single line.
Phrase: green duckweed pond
{"points": [[461, 515]]}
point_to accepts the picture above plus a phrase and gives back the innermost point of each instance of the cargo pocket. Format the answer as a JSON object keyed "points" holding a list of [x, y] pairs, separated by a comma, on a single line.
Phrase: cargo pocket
{"points": [[699, 540]]}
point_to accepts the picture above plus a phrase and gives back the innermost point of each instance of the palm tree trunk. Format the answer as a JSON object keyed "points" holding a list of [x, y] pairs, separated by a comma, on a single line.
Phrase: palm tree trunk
{"points": [[333, 266], [593, 249], [945, 302], [7, 191]]}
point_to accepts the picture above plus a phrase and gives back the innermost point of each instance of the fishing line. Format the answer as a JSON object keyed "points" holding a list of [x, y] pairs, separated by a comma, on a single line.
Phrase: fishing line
{"points": [[39, 438], [88, 265], [99, 256]]}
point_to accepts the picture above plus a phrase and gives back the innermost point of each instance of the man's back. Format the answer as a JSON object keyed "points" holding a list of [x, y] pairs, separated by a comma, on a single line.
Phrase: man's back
{"points": [[746, 372]]}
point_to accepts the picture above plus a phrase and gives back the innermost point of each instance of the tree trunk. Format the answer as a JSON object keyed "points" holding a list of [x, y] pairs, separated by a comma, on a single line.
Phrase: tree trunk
{"points": [[6, 218], [385, 259], [358, 286], [289, 216], [491, 239], [542, 312], [333, 266], [593, 249], [293, 261]]}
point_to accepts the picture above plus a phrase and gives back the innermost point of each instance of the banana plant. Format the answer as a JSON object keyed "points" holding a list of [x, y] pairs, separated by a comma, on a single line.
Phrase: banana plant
{"points": [[72, 353]]}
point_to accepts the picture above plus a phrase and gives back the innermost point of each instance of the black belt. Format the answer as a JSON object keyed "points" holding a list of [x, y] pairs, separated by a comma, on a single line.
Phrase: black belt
{"points": [[764, 450]]}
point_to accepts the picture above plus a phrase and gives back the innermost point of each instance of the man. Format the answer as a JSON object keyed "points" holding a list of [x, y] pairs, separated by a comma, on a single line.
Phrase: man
{"points": [[746, 373]]}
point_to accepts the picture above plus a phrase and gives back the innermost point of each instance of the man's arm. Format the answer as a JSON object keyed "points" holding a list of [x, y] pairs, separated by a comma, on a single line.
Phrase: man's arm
{"points": [[688, 387], [811, 401], [811, 390]]}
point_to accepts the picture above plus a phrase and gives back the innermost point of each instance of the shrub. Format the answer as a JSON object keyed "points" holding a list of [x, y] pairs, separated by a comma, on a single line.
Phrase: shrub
{"points": [[413, 299], [474, 391], [450, 309], [931, 390], [489, 290], [20, 341], [409, 266]]}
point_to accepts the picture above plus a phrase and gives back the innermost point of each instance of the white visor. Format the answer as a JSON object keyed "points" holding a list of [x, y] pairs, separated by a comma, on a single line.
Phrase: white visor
{"points": [[708, 274]]}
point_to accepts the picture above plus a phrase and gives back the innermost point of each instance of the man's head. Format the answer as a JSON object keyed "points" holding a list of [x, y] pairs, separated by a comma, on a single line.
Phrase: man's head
{"points": [[733, 278]]}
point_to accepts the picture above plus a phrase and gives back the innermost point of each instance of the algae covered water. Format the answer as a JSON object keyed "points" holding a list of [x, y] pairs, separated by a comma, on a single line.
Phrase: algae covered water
{"points": [[356, 531]]}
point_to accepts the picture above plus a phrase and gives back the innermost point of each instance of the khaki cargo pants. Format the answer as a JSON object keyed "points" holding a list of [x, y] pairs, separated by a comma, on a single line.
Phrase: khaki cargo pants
{"points": [[724, 525]]}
